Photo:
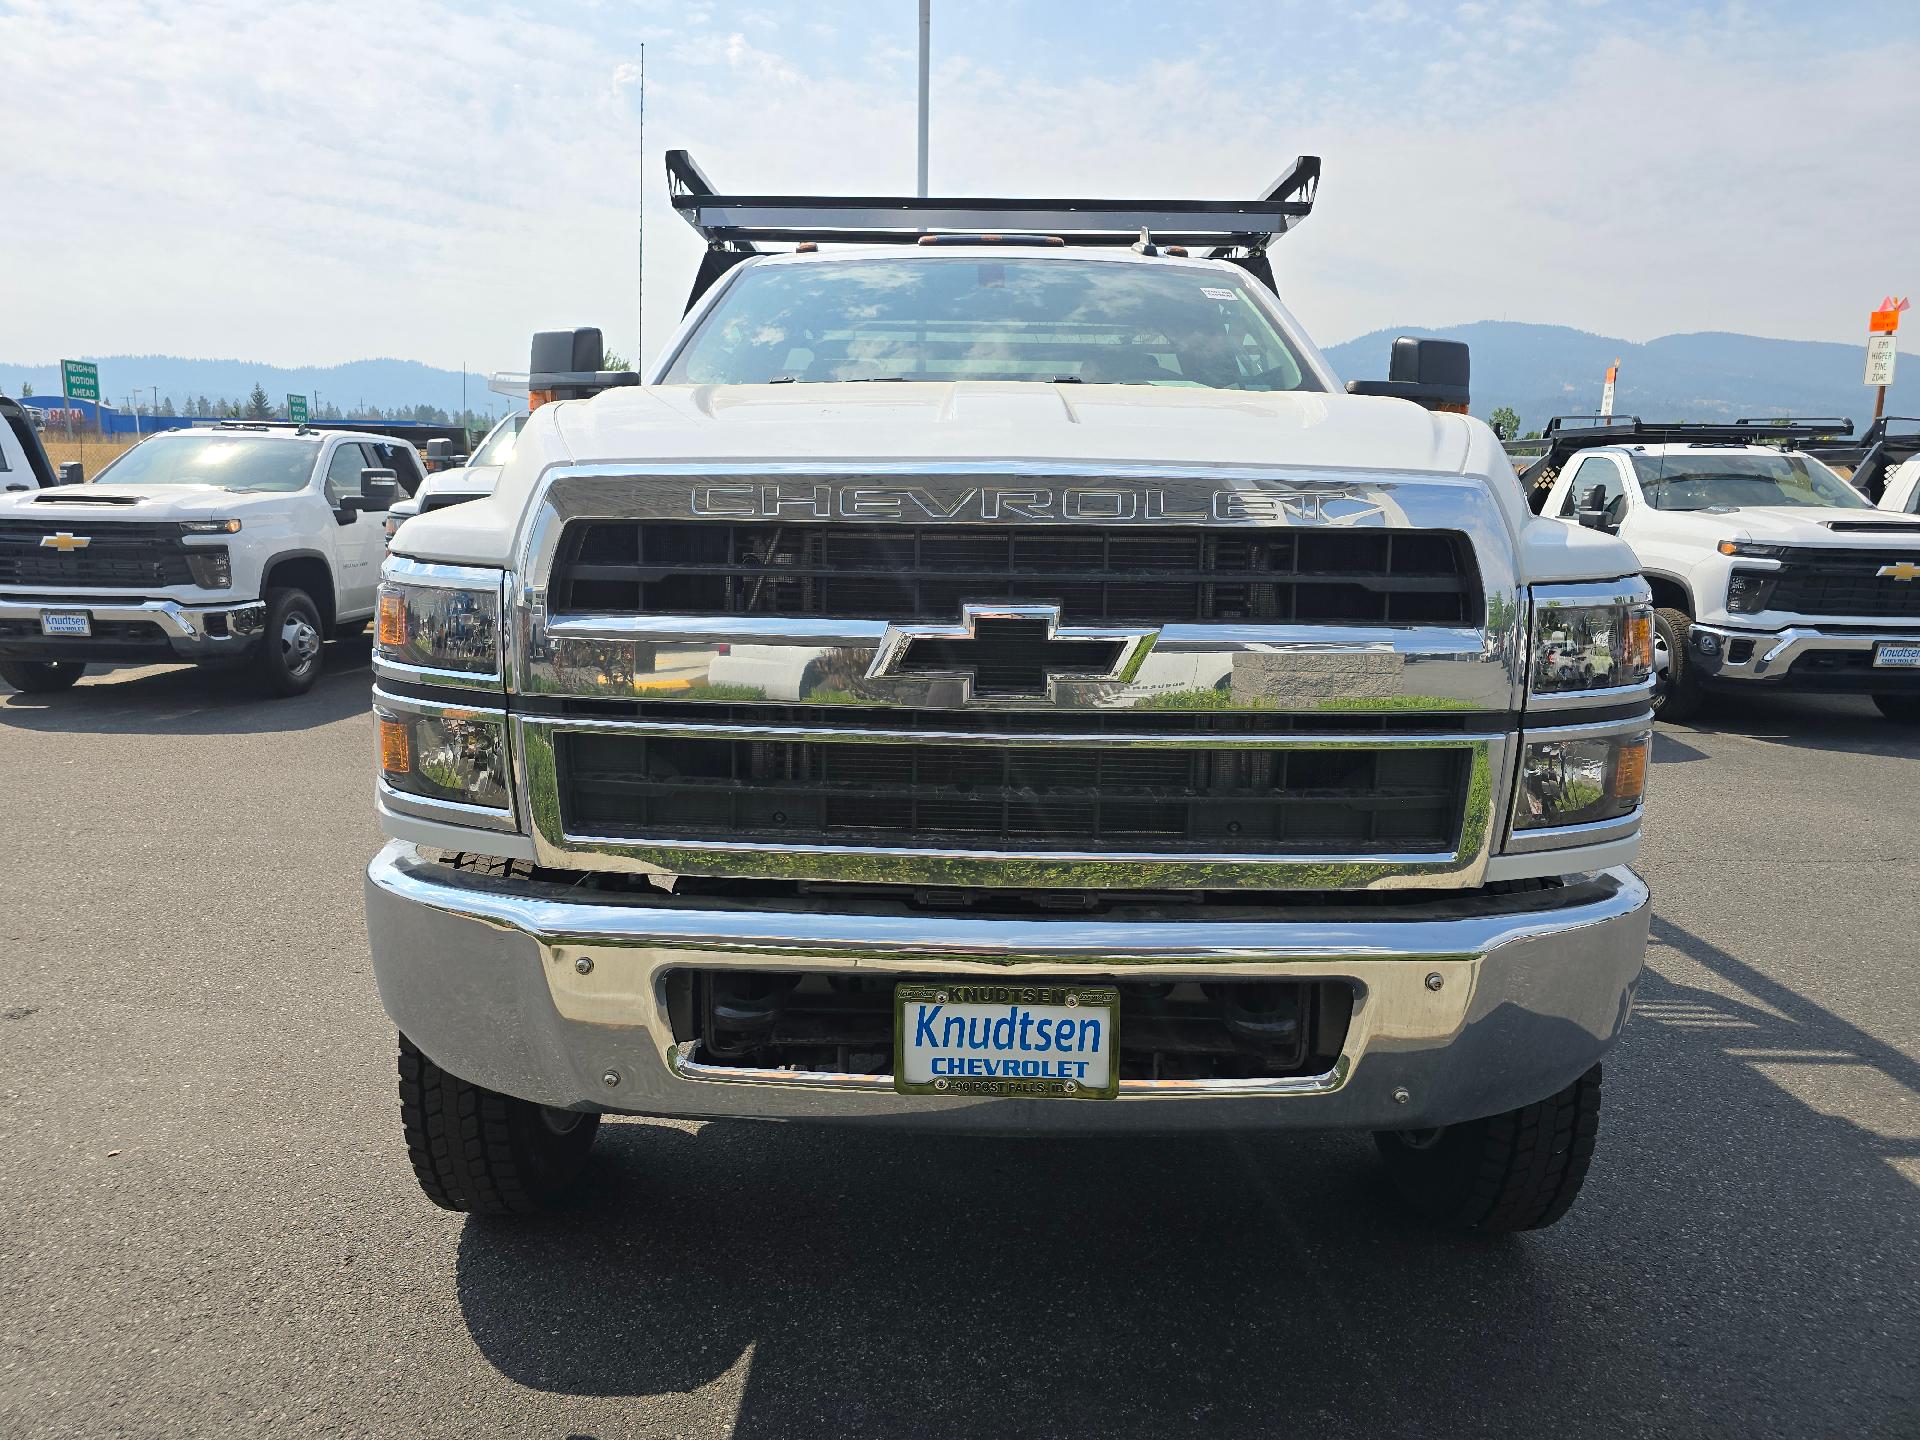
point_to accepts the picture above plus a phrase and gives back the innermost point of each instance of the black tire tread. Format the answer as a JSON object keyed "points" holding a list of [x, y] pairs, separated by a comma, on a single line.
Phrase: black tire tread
{"points": [[1521, 1170], [473, 1149], [42, 677], [1683, 698]]}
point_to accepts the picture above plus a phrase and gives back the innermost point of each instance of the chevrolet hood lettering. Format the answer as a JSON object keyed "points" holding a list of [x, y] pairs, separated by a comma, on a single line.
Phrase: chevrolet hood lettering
{"points": [[1068, 504]]}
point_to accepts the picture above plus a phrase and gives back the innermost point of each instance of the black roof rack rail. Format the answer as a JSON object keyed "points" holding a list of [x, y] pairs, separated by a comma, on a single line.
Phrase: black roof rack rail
{"points": [[733, 225], [1876, 451], [1567, 435]]}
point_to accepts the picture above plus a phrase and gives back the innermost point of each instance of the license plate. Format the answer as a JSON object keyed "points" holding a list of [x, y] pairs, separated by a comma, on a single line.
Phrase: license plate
{"points": [[1024, 1041], [66, 622], [1897, 655]]}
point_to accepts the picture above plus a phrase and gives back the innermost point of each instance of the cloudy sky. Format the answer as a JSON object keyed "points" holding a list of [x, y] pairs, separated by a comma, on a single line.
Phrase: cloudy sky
{"points": [[313, 181]]}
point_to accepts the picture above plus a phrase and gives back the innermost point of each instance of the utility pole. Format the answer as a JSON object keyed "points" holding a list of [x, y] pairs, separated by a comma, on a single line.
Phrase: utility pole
{"points": [[926, 46]]}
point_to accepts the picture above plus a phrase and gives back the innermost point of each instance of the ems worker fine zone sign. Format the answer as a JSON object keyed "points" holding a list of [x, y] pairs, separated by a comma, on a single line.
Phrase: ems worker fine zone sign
{"points": [[1010, 1041]]}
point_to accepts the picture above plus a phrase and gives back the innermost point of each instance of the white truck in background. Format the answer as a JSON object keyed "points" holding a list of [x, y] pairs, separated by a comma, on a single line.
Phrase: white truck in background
{"points": [[236, 544], [1770, 573]]}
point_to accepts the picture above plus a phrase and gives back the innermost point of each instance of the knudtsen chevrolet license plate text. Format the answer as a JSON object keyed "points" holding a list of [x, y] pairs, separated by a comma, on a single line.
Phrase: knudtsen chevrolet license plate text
{"points": [[1007, 1040]]}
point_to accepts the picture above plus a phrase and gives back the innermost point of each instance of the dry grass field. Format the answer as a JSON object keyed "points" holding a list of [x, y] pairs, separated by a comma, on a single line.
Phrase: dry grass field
{"points": [[91, 451]]}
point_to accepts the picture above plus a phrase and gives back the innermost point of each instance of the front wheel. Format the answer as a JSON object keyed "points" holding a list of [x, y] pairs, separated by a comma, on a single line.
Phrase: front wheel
{"points": [[1901, 709], [42, 677], [482, 1152], [1676, 688], [1518, 1171], [289, 658]]}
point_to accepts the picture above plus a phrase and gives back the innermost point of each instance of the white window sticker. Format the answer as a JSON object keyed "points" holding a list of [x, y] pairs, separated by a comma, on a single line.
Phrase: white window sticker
{"points": [[1215, 294]]}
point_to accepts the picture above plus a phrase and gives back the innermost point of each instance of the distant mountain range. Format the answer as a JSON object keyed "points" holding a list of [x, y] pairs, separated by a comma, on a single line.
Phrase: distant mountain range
{"points": [[388, 384], [1539, 370], [1545, 370]]}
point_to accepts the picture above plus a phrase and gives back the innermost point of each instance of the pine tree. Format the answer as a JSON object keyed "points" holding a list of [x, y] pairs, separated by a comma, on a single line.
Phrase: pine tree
{"points": [[258, 406]]}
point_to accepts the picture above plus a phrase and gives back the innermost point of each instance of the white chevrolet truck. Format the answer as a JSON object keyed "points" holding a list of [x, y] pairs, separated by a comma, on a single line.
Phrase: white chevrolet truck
{"points": [[1769, 572], [231, 545], [972, 871]]}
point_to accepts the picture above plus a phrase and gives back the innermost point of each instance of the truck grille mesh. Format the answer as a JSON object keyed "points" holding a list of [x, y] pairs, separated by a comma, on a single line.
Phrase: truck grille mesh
{"points": [[1163, 575], [118, 554], [1842, 582], [918, 793]]}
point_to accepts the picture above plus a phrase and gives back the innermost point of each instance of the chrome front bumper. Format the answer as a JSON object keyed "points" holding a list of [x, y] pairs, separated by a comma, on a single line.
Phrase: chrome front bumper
{"points": [[1463, 1007], [1774, 652], [188, 629]]}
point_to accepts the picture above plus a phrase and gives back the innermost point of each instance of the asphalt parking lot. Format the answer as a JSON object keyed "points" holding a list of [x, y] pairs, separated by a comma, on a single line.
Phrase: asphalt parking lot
{"points": [[207, 1224]]}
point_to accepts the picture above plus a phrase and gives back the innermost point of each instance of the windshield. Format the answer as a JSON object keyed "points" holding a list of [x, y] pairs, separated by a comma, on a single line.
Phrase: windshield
{"points": [[1097, 322], [233, 462], [497, 448], [1702, 480]]}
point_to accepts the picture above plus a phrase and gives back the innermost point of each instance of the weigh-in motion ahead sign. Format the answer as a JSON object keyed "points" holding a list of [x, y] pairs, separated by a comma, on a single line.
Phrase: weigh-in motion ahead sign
{"points": [[80, 379], [297, 409]]}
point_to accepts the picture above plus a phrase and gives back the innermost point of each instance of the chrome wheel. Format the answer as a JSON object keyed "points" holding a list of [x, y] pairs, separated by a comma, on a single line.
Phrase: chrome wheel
{"points": [[299, 642], [1662, 667]]}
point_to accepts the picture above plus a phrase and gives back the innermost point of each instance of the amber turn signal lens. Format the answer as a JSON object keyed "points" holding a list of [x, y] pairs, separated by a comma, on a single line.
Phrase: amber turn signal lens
{"points": [[396, 746], [393, 620], [1630, 770], [1640, 641]]}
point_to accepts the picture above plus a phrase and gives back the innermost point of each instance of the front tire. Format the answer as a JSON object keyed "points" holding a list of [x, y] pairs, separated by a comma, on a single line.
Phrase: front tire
{"points": [[1901, 709], [484, 1153], [42, 677], [1676, 687], [1518, 1171], [289, 659]]}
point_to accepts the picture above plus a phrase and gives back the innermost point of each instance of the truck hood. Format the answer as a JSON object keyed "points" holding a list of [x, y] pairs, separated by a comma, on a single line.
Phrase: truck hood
{"points": [[466, 480], [1811, 525], [102, 504], [995, 420]]}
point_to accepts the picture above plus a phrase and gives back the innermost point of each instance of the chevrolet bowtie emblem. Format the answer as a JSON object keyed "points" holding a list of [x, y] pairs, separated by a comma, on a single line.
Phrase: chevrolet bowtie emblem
{"points": [[1899, 570], [1010, 652], [64, 542]]}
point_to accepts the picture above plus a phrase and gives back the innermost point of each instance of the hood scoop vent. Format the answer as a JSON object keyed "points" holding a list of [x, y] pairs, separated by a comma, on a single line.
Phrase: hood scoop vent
{"points": [[1901, 527], [59, 497]]}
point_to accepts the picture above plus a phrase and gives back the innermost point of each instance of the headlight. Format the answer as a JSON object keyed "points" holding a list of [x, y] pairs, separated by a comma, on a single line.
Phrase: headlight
{"points": [[209, 527], [1748, 591], [211, 566], [443, 619], [1581, 780], [1580, 645], [440, 754], [1751, 550]]}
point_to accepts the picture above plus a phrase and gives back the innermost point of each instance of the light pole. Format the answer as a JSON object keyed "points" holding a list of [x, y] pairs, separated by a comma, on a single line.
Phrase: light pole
{"points": [[926, 28]]}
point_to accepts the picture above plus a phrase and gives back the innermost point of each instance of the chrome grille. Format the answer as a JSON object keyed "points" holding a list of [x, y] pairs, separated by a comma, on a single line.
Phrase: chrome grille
{"points": [[927, 572]]}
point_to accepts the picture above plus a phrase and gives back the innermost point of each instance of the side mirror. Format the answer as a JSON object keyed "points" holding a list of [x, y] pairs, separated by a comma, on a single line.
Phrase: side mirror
{"points": [[1593, 508], [72, 472], [1433, 373], [379, 489]]}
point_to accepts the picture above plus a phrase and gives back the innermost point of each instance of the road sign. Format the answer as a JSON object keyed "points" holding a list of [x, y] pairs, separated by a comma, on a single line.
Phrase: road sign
{"points": [[80, 380], [1606, 391], [1886, 319], [1880, 353], [297, 408]]}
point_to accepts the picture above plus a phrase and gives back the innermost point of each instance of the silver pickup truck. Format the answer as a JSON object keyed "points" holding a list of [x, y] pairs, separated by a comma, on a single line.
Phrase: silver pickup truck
{"points": [[1173, 739]]}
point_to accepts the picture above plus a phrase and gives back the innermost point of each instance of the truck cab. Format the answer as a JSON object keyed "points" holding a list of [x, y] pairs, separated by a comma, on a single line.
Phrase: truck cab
{"points": [[991, 676], [232, 544], [1770, 573]]}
